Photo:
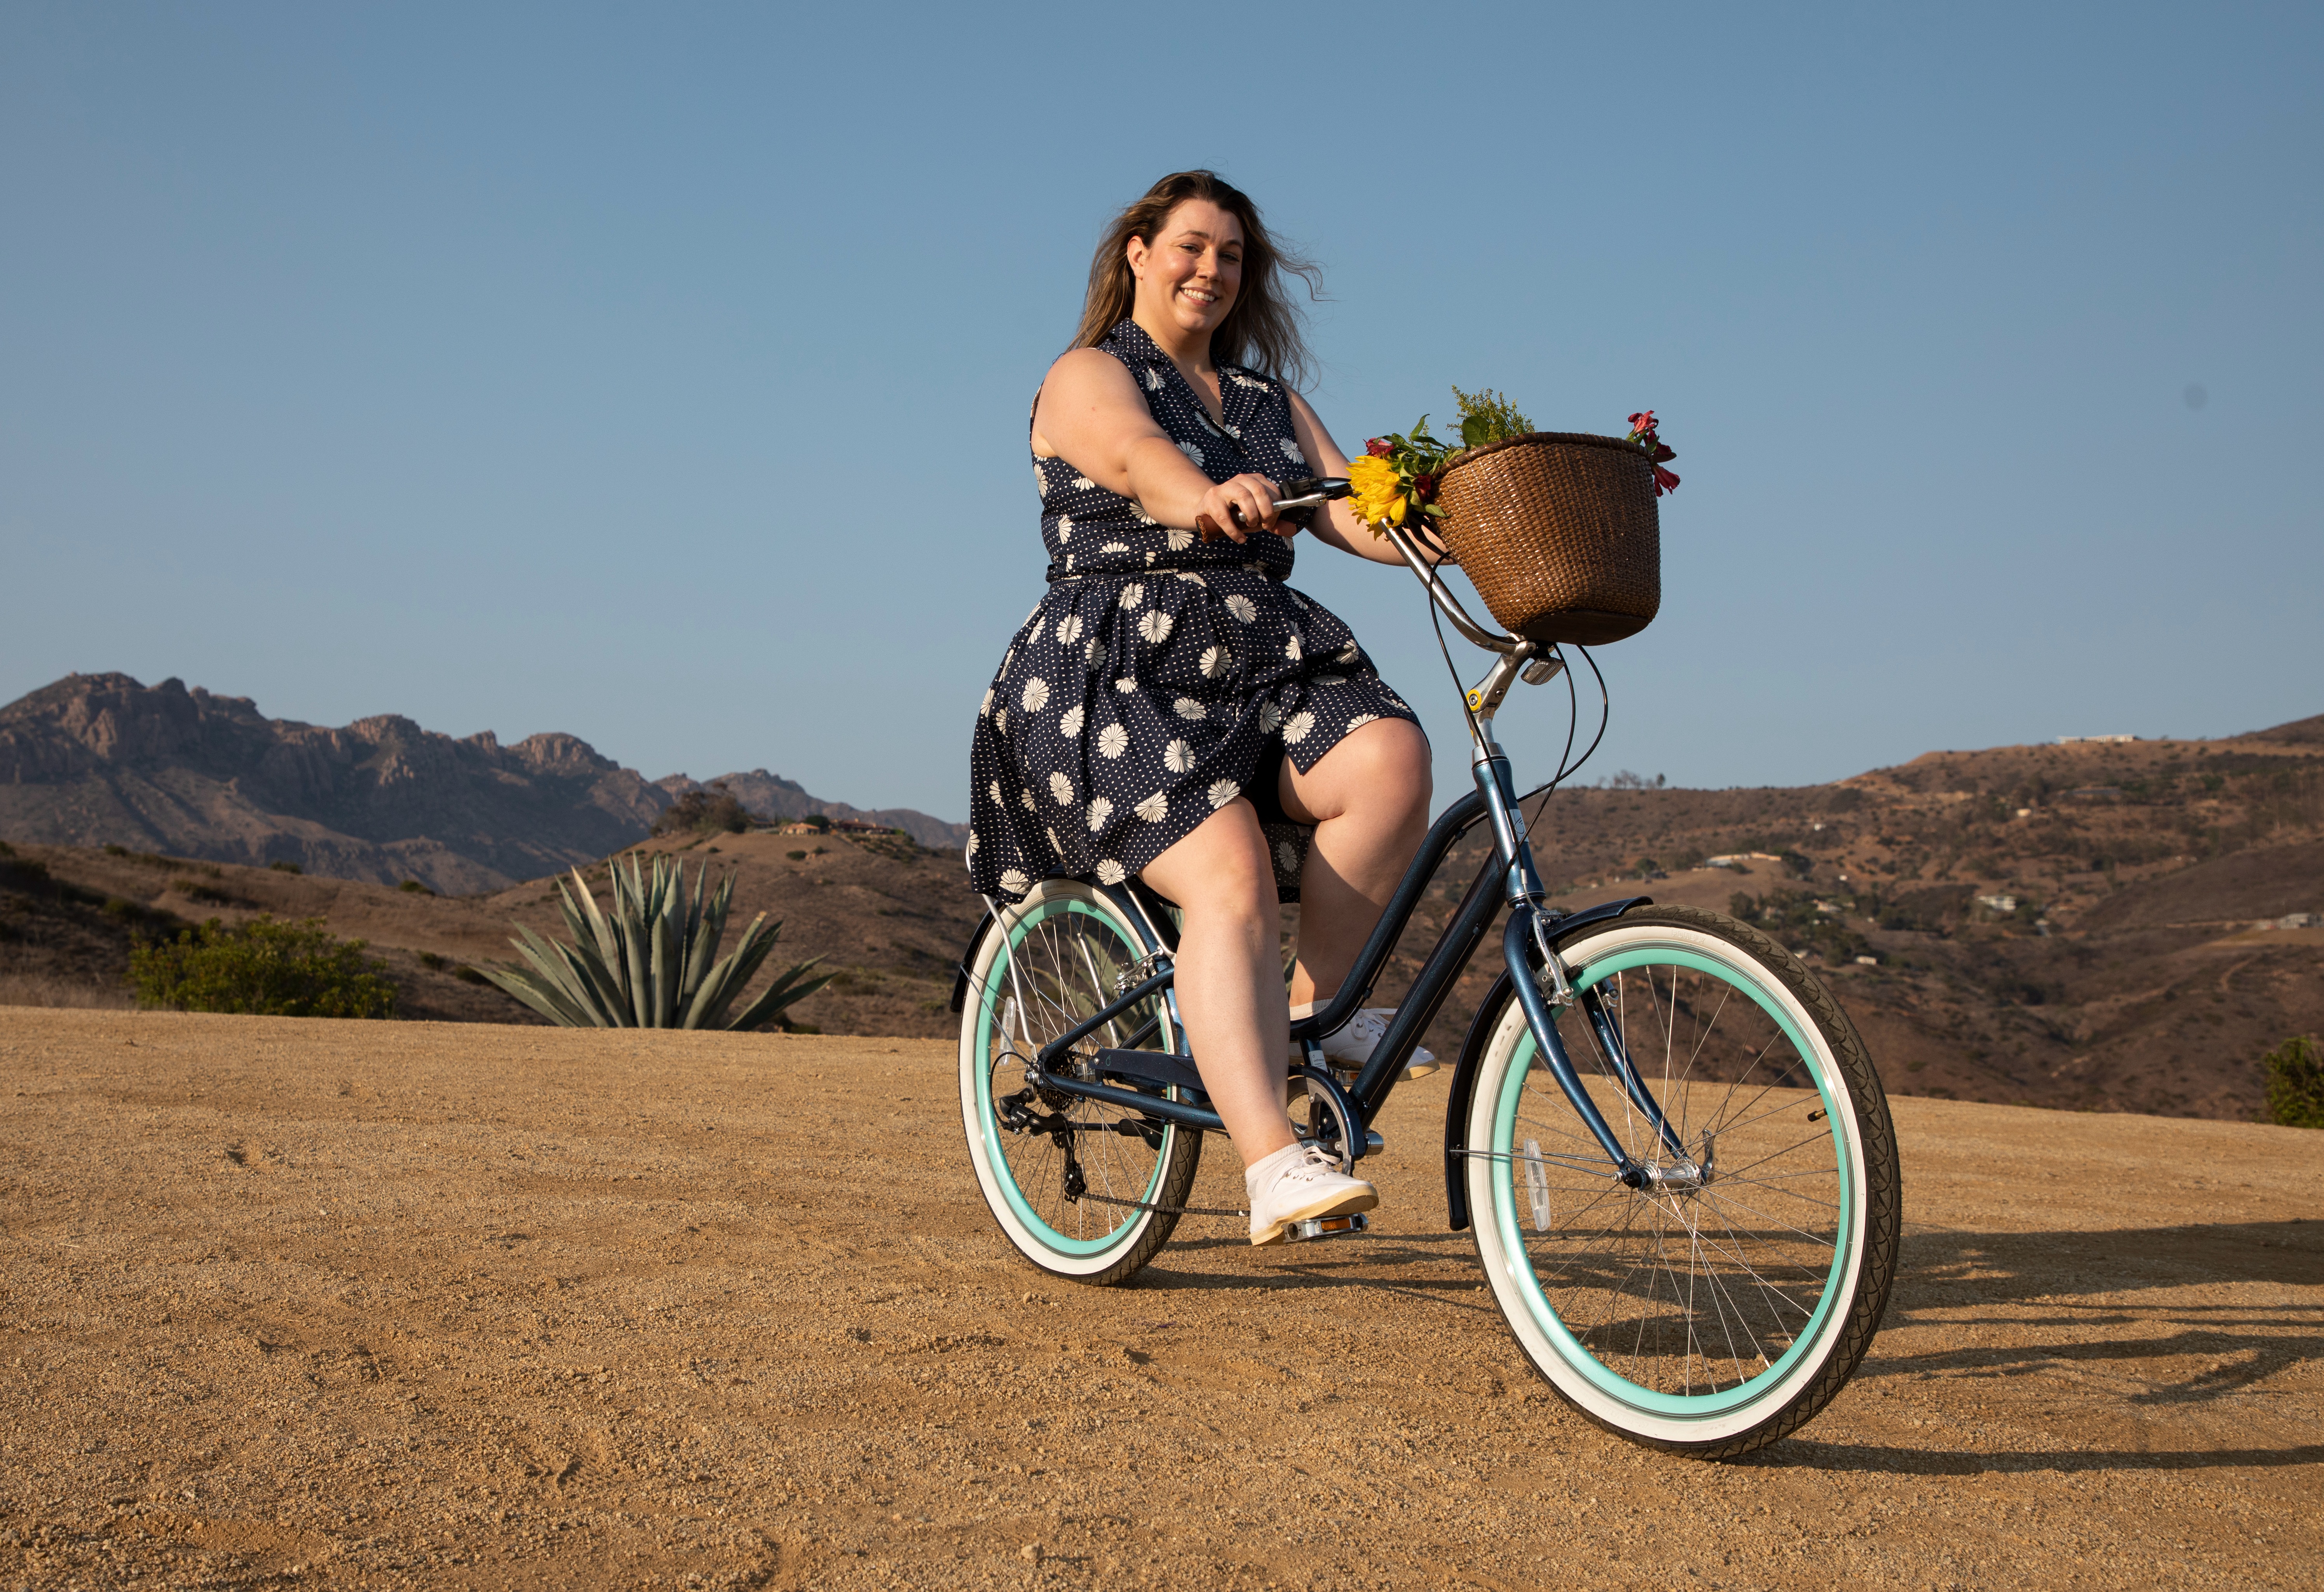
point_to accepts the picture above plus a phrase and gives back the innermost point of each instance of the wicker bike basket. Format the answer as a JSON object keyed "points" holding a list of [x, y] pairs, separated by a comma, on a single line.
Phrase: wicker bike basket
{"points": [[1559, 533]]}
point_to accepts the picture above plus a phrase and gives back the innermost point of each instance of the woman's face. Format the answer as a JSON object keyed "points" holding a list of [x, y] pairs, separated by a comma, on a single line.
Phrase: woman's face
{"points": [[1191, 272]]}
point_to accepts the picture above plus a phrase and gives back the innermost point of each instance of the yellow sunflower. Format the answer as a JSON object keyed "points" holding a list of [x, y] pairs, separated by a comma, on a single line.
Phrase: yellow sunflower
{"points": [[1377, 493]]}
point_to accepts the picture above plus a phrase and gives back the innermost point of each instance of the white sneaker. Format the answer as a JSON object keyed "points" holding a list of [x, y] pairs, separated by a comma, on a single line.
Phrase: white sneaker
{"points": [[1298, 1183], [1351, 1043]]}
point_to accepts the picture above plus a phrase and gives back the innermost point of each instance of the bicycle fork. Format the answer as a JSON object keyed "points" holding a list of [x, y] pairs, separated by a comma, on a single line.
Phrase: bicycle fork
{"points": [[1538, 972]]}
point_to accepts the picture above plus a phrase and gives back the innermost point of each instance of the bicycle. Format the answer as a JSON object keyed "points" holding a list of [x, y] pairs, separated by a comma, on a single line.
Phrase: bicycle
{"points": [[1691, 1230]]}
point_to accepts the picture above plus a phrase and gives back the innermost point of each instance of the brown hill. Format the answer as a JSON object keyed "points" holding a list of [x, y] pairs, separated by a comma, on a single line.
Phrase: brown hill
{"points": [[2124, 973], [773, 797]]}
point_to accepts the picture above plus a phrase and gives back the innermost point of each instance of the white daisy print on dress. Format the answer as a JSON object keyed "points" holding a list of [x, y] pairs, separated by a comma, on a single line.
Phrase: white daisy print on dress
{"points": [[1064, 528], [1287, 857], [1191, 578], [1361, 720], [1242, 607], [1100, 810], [1331, 679], [1071, 725], [1001, 721], [1291, 451], [1084, 483], [1069, 629], [994, 791], [1186, 707], [1132, 594], [1348, 654], [1115, 547], [1125, 685], [1089, 653], [1295, 730], [1270, 716], [1192, 452], [1154, 808], [1036, 695], [1111, 742], [1153, 380], [1015, 882], [1143, 518], [1040, 481], [971, 843], [1109, 873], [1055, 845], [984, 708], [1155, 626], [1215, 661], [1291, 649], [1179, 541], [1222, 792], [1177, 757], [1026, 797], [1062, 788]]}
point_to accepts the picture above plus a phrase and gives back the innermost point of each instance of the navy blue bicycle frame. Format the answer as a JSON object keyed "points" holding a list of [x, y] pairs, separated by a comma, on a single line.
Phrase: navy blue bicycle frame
{"points": [[1507, 879]]}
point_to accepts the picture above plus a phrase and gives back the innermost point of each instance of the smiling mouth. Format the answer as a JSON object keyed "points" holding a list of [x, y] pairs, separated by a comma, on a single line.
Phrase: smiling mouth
{"points": [[1199, 295]]}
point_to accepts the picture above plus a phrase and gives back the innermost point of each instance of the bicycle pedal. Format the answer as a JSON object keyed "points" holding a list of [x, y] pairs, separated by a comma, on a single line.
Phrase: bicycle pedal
{"points": [[1327, 1227]]}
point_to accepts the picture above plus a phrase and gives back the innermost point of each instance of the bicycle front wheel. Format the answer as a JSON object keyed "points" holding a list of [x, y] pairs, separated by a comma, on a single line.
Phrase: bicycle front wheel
{"points": [[1083, 1189], [1714, 1311]]}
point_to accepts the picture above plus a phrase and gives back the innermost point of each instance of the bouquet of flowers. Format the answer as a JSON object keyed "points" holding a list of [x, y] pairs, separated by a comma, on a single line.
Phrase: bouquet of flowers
{"points": [[1396, 479]]}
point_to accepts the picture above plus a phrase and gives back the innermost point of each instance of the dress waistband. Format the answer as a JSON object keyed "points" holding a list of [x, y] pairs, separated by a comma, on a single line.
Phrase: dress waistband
{"points": [[1056, 578]]}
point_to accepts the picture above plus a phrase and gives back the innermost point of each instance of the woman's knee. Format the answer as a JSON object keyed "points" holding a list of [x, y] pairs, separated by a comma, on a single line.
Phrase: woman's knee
{"points": [[1382, 768], [1220, 872]]}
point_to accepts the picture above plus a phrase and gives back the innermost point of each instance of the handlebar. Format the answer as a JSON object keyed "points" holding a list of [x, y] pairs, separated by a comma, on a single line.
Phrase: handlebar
{"points": [[1311, 490]]}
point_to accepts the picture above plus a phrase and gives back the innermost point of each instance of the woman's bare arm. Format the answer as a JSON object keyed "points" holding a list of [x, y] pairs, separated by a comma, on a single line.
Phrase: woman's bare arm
{"points": [[1336, 524], [1091, 415]]}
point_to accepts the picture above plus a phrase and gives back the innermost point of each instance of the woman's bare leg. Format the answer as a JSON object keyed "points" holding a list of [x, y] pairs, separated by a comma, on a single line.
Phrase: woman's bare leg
{"points": [[1230, 973], [1368, 799]]}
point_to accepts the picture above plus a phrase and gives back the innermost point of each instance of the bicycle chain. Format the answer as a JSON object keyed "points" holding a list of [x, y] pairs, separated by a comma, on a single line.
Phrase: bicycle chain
{"points": [[1146, 1205]]}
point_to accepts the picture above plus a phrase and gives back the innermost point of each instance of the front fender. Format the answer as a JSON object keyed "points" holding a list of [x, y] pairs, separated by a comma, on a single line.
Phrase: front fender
{"points": [[1472, 1056]]}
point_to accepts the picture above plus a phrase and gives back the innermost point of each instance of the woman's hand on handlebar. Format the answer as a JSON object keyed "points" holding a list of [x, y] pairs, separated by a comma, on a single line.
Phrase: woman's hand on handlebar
{"points": [[1236, 507]]}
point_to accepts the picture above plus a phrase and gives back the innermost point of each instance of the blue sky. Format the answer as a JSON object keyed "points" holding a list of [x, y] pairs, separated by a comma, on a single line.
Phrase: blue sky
{"points": [[659, 374]]}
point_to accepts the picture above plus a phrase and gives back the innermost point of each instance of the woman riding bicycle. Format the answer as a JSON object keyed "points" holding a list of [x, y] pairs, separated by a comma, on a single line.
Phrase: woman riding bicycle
{"points": [[1173, 710]]}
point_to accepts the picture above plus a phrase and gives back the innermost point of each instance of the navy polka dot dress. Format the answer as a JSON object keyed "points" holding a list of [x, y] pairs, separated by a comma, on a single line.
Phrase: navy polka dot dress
{"points": [[1162, 676]]}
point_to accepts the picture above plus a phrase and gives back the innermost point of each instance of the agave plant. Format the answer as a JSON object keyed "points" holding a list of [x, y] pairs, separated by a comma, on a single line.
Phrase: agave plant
{"points": [[649, 962]]}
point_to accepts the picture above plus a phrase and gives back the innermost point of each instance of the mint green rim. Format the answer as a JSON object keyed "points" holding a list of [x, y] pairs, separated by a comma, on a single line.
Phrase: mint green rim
{"points": [[1570, 1349], [990, 1125]]}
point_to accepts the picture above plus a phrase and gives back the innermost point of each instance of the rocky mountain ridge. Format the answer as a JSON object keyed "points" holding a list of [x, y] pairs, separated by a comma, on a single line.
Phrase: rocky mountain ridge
{"points": [[96, 759]]}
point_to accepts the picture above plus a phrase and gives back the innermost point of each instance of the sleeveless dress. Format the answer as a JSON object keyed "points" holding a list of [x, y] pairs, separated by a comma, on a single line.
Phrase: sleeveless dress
{"points": [[1162, 675]]}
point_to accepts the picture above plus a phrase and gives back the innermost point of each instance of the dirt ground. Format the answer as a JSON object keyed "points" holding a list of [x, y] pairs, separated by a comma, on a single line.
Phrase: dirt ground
{"points": [[401, 1305]]}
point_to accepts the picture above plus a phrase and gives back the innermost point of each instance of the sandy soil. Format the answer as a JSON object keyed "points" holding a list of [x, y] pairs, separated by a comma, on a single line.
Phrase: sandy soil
{"points": [[298, 1303]]}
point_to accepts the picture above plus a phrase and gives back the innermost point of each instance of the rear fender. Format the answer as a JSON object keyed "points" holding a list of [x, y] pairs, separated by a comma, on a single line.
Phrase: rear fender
{"points": [[1472, 1057]]}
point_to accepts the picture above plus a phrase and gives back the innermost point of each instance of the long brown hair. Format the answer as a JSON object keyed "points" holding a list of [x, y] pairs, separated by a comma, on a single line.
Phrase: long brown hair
{"points": [[1261, 332]]}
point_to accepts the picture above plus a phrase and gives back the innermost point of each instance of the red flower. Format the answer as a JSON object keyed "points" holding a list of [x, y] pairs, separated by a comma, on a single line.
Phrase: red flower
{"points": [[1378, 447], [1662, 454], [1424, 487], [1643, 422], [1663, 481]]}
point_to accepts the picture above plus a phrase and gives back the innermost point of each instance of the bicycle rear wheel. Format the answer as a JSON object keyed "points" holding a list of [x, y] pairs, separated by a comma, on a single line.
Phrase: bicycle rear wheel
{"points": [[1706, 1319], [1079, 1188]]}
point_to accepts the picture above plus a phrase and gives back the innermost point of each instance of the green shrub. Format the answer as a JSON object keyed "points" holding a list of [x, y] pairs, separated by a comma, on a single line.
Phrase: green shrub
{"points": [[795, 856], [262, 969], [430, 960], [713, 810], [468, 975], [112, 849], [282, 867], [412, 887], [2295, 1083]]}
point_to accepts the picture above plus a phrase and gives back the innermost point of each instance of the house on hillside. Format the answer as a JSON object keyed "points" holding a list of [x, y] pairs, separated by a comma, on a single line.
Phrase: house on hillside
{"points": [[2098, 739]]}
